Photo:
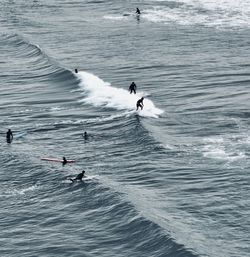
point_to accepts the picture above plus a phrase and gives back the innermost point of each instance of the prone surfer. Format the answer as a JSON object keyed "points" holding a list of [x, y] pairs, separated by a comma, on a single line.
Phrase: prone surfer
{"points": [[139, 104], [64, 161], [132, 88], [9, 136], [78, 177]]}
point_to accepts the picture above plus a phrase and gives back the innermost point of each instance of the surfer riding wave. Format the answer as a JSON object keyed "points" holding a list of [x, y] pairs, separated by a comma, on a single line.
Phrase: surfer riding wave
{"points": [[101, 93]]}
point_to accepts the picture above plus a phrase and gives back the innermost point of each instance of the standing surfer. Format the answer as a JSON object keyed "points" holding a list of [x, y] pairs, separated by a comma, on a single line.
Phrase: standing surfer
{"points": [[132, 88], [139, 104], [85, 135], [138, 11], [9, 136]]}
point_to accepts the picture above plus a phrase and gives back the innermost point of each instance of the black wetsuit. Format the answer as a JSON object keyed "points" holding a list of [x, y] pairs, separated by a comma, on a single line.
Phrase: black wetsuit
{"points": [[78, 177], [64, 161], [132, 88], [138, 11], [85, 135], [9, 136], [139, 104]]}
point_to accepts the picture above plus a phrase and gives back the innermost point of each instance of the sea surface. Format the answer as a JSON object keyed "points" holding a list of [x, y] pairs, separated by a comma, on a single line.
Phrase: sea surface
{"points": [[171, 180]]}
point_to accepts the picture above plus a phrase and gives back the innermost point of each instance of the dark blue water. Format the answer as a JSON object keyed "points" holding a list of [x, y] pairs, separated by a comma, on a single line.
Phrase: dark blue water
{"points": [[170, 180]]}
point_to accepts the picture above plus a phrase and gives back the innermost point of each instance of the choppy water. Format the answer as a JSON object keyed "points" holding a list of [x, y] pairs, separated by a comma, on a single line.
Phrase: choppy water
{"points": [[171, 180]]}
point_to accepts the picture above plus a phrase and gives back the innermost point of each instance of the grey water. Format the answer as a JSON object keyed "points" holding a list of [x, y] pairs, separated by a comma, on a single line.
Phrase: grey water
{"points": [[170, 180]]}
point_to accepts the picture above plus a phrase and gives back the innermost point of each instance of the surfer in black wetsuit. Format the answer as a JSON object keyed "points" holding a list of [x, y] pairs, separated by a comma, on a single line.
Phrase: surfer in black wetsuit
{"points": [[9, 136], [138, 11], [132, 88], [139, 104], [85, 135], [64, 161], [76, 71], [78, 177]]}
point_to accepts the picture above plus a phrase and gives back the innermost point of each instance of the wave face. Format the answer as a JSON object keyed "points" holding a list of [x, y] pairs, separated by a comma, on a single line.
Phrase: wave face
{"points": [[170, 180]]}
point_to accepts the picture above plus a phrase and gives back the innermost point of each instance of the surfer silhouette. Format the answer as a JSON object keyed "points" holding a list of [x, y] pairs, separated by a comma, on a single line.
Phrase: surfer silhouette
{"points": [[76, 71], [139, 104], [78, 177], [9, 136], [132, 88], [64, 161], [85, 135], [138, 11]]}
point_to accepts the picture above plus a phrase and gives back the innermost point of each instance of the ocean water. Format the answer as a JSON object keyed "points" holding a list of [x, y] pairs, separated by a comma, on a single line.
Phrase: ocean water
{"points": [[171, 180]]}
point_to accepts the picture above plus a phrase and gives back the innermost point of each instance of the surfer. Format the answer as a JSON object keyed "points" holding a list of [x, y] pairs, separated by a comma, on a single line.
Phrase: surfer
{"points": [[64, 161], [78, 177], [76, 71], [138, 11], [139, 104], [85, 135], [9, 136], [132, 88]]}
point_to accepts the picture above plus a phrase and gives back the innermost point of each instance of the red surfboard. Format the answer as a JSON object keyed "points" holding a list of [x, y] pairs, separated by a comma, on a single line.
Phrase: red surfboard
{"points": [[55, 160]]}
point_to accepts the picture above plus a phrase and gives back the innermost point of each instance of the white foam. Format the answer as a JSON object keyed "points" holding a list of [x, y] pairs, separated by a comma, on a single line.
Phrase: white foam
{"points": [[220, 149], [114, 17], [21, 191], [93, 177], [211, 13], [217, 140], [100, 93], [221, 154], [55, 109]]}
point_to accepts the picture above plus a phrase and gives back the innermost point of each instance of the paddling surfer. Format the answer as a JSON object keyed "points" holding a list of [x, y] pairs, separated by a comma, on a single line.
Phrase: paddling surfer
{"points": [[64, 161], [78, 177]]}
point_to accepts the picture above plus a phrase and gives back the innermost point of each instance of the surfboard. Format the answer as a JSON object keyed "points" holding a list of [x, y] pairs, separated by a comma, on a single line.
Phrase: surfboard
{"points": [[85, 178], [55, 160], [20, 135]]}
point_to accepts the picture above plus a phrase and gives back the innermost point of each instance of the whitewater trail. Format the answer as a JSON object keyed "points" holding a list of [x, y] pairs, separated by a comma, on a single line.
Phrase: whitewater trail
{"points": [[101, 93]]}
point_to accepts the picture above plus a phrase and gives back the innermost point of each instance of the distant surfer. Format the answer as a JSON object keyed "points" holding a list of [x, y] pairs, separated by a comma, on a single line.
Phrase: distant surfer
{"points": [[78, 177], [85, 135], [138, 11], [76, 71], [139, 104], [64, 161], [9, 136], [132, 88]]}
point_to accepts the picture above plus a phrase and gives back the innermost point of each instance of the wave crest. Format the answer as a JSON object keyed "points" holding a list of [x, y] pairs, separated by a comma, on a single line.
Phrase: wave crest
{"points": [[101, 93]]}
